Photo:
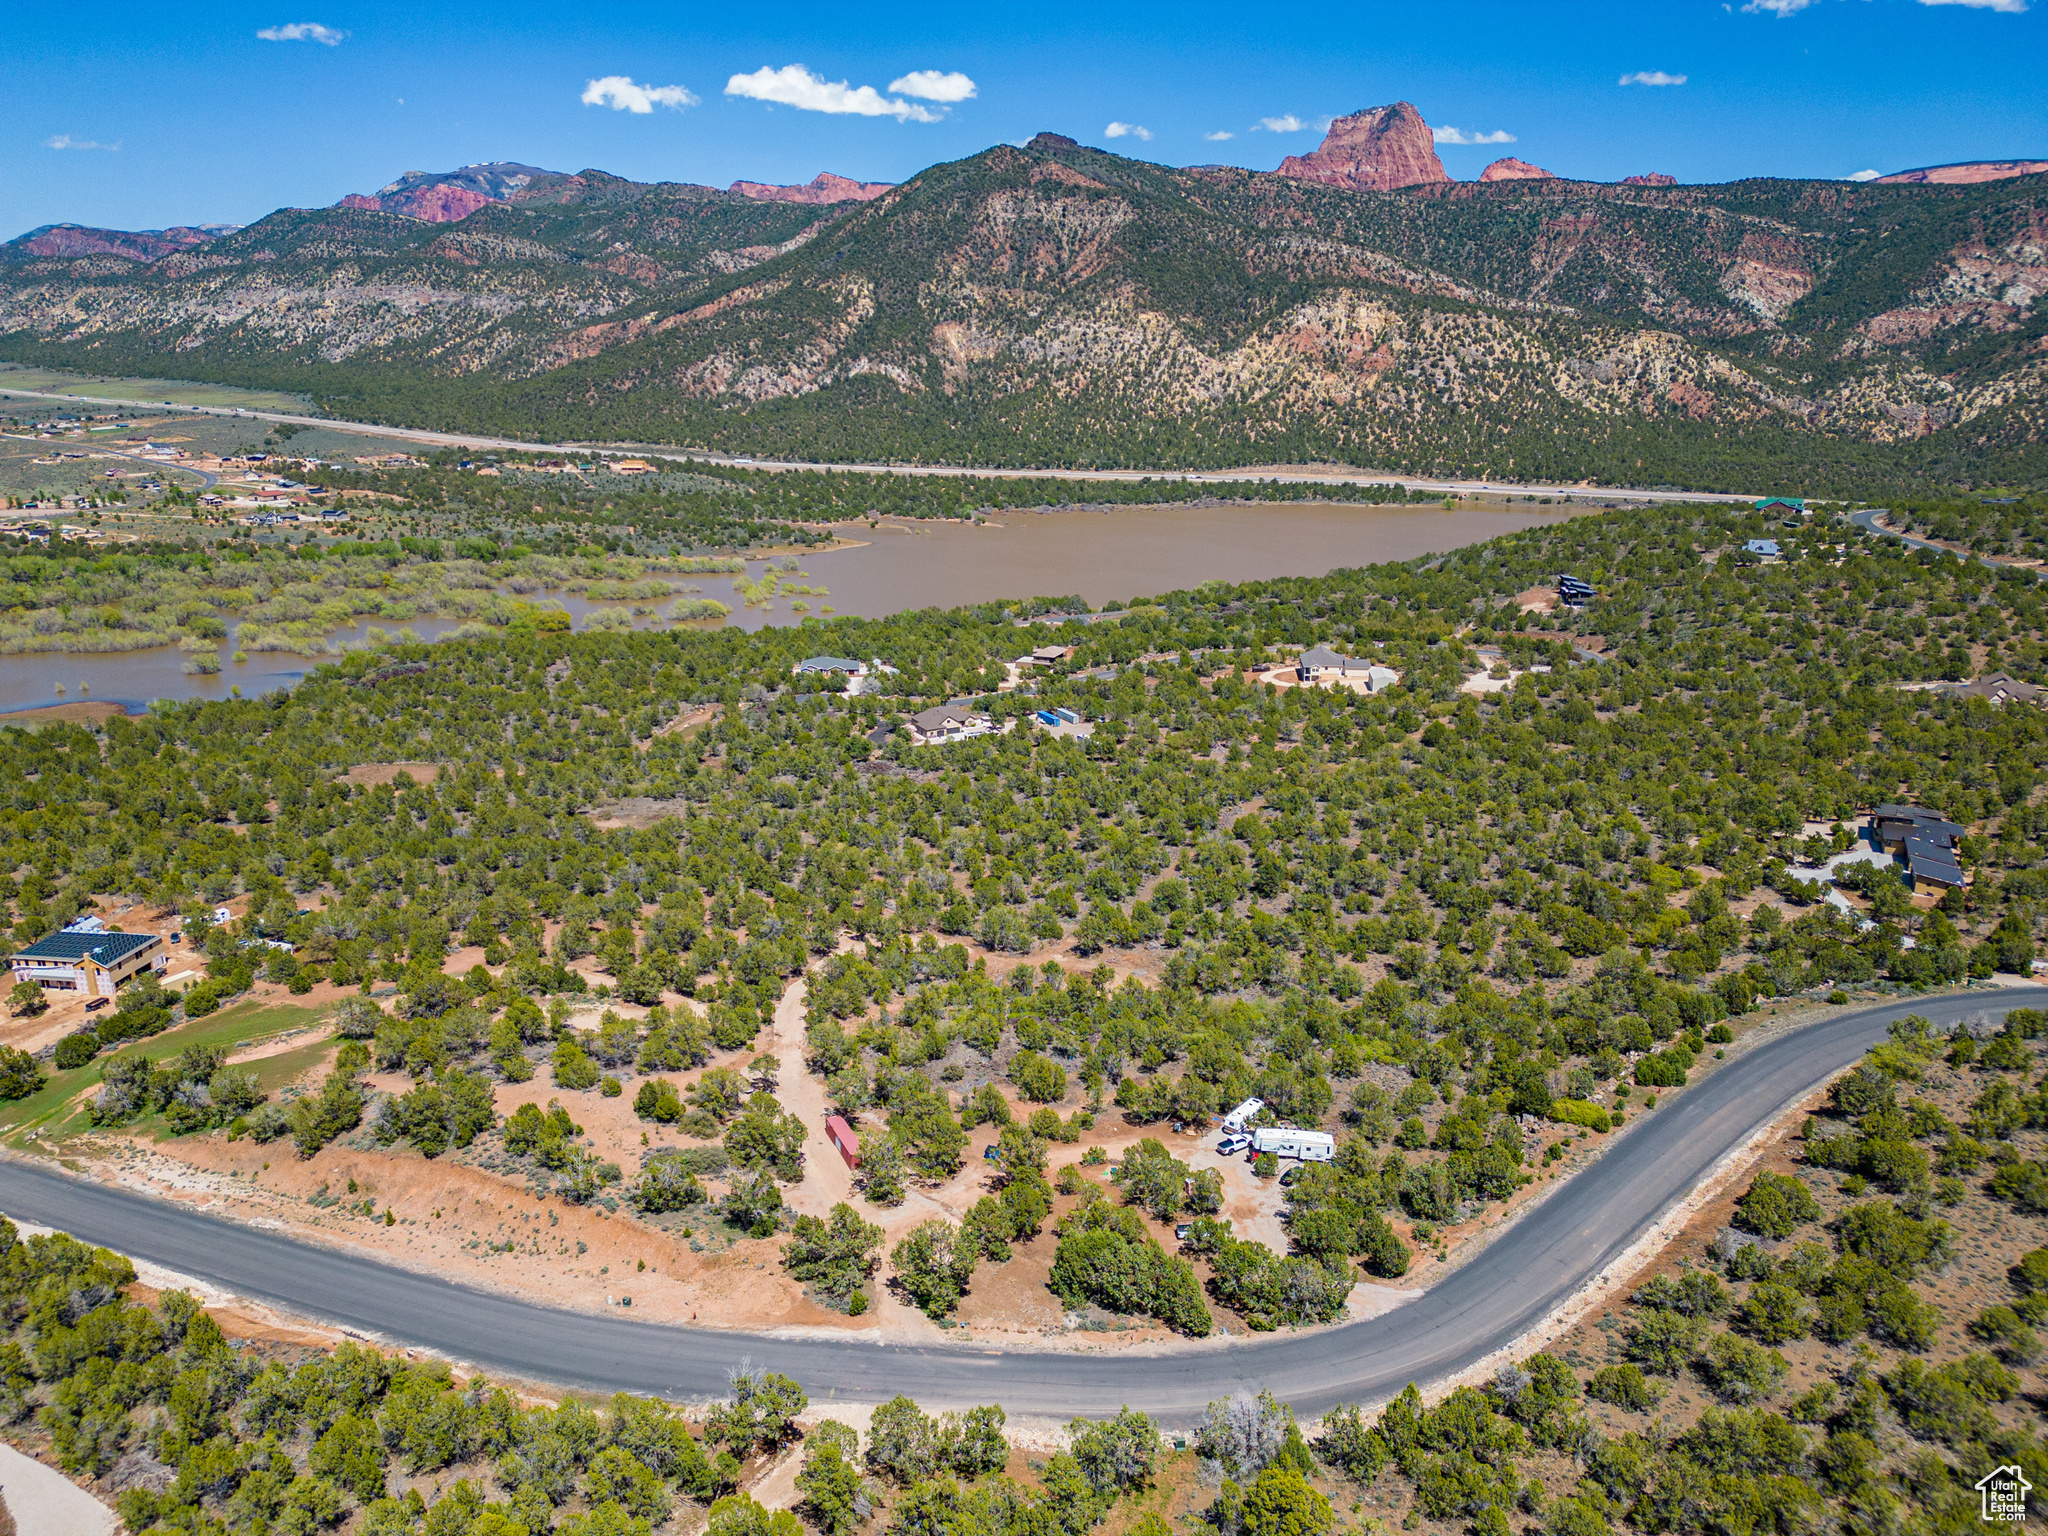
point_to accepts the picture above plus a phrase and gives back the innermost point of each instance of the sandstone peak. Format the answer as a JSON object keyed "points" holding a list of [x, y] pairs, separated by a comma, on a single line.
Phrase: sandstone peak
{"points": [[1052, 141], [1966, 174], [1375, 150], [1650, 179], [821, 188], [1508, 168]]}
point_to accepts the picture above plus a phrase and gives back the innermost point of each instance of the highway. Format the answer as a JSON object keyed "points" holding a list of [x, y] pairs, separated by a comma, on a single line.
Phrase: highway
{"points": [[1531, 1268], [1585, 493]]}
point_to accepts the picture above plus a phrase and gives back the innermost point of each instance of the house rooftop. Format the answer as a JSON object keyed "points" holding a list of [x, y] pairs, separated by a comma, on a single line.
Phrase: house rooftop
{"points": [[829, 664], [106, 948]]}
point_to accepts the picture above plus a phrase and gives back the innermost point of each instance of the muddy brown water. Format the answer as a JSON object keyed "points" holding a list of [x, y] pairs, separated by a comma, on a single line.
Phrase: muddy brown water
{"points": [[902, 565]]}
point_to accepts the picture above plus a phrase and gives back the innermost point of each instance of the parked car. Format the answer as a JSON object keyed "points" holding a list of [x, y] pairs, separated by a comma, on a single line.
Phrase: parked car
{"points": [[1233, 1144]]}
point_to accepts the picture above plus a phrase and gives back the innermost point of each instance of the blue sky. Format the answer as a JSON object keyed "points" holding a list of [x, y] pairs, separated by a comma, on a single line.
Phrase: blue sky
{"points": [[134, 115]]}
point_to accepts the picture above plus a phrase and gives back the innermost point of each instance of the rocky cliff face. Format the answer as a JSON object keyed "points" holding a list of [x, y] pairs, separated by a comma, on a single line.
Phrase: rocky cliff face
{"points": [[435, 205], [1650, 179], [1509, 168], [822, 188], [1967, 174], [1376, 150], [447, 197]]}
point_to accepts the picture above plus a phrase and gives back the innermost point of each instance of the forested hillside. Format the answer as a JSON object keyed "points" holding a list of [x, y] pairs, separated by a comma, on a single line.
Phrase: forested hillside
{"points": [[1060, 306], [1425, 918]]}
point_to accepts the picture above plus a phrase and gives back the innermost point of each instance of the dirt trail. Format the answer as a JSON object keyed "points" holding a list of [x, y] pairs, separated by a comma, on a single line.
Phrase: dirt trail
{"points": [[827, 1179]]}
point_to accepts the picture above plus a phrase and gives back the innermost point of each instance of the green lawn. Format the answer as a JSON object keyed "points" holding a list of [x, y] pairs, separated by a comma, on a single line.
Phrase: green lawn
{"points": [[51, 1112]]}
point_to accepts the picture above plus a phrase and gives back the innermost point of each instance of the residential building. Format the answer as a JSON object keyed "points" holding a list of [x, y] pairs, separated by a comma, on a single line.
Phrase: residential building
{"points": [[1926, 842], [1997, 688], [1322, 664], [947, 722], [1320, 661], [1573, 592], [1794, 504], [90, 960], [1768, 548], [1046, 655], [816, 664]]}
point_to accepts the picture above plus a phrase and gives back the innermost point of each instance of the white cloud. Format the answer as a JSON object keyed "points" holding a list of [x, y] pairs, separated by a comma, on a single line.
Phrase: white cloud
{"points": [[931, 85], [1288, 123], [65, 141], [1651, 77], [1863, 175], [2008, 7], [302, 32], [1460, 136], [620, 94], [1778, 8], [795, 86], [1127, 130], [1219, 135]]}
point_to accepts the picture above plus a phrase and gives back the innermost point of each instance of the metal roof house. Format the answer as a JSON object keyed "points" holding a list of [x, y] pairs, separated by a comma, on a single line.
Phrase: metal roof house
{"points": [[1782, 504], [1926, 841], [1321, 662], [1768, 548], [831, 664], [93, 963]]}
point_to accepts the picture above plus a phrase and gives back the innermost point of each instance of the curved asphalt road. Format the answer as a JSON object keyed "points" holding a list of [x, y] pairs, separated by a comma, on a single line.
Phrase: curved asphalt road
{"points": [[1868, 521], [1528, 1271]]}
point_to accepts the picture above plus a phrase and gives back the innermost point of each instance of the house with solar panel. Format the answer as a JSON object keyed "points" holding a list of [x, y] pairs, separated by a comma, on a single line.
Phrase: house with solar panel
{"points": [[1926, 842], [88, 958]]}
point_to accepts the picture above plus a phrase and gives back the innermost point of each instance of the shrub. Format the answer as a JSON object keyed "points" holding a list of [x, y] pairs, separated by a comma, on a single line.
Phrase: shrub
{"points": [[834, 1254], [1739, 1370], [667, 1184], [657, 1100], [1039, 1079], [75, 1050], [19, 1074], [573, 1067], [1624, 1386], [933, 1266], [1106, 1256], [1775, 1206], [1580, 1112]]}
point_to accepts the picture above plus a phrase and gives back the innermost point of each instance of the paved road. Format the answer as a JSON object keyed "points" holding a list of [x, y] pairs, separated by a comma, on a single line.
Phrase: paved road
{"points": [[207, 480], [1527, 1272], [1869, 522], [1583, 492]]}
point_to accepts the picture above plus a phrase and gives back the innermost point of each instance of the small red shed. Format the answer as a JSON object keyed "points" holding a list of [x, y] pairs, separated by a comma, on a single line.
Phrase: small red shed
{"points": [[842, 1137]]}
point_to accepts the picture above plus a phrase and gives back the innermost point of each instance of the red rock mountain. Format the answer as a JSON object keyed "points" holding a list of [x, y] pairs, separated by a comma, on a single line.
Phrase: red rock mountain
{"points": [[1966, 174], [822, 188], [444, 197], [69, 241], [436, 204], [1650, 179], [1376, 150], [1511, 169]]}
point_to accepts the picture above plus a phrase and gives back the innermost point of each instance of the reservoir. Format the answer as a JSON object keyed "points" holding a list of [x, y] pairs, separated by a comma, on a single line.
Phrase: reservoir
{"points": [[900, 565]]}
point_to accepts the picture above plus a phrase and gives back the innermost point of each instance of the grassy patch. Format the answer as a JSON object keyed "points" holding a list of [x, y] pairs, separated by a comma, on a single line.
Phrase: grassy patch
{"points": [[57, 1110]]}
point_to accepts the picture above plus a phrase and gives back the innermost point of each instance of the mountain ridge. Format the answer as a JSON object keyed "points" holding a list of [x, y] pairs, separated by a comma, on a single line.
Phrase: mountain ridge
{"points": [[1058, 305]]}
